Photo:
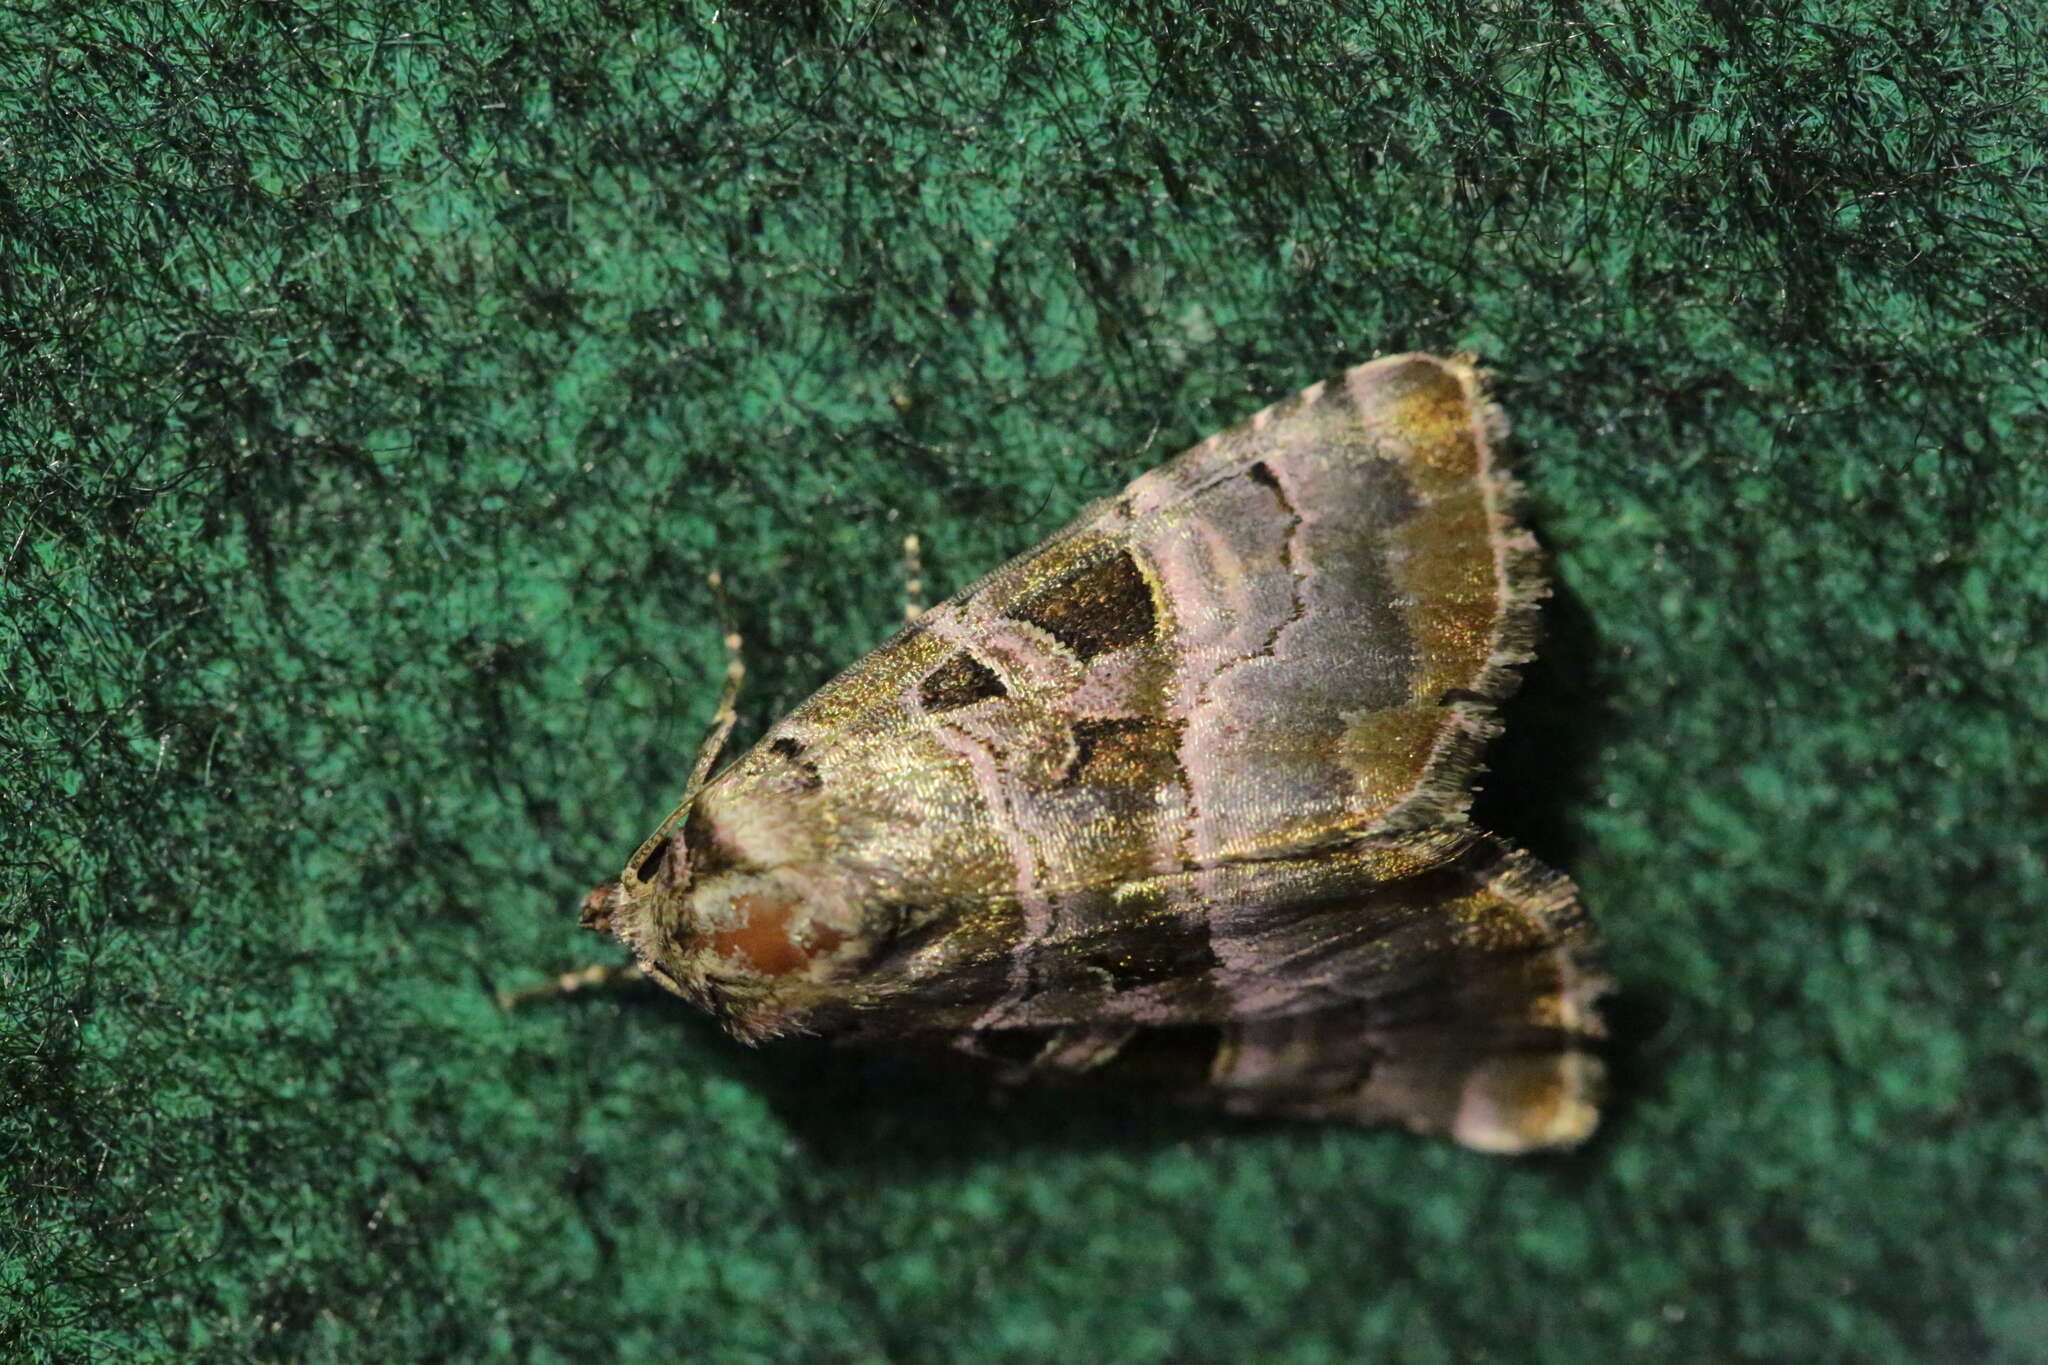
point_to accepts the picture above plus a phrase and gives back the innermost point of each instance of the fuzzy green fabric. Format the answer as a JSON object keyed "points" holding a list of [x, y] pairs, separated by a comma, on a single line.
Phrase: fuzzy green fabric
{"points": [[381, 380]]}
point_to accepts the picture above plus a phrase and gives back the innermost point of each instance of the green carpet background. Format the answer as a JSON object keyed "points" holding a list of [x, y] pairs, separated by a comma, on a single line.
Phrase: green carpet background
{"points": [[380, 380]]}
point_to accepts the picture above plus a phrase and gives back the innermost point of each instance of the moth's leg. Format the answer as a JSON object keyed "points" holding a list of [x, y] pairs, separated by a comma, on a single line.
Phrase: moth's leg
{"points": [[913, 579], [607, 976]]}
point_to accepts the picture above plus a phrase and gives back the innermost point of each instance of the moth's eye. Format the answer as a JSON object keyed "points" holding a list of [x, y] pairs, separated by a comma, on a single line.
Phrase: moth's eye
{"points": [[651, 864]]}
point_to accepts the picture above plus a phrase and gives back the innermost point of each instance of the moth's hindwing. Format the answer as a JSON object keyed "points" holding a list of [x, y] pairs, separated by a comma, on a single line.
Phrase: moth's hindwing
{"points": [[1180, 793]]}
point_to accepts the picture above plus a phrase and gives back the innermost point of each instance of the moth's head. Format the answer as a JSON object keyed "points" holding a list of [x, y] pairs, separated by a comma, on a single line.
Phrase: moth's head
{"points": [[733, 906]]}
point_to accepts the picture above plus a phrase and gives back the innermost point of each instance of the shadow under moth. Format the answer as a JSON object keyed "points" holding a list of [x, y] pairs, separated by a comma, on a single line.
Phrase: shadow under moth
{"points": [[1176, 801]]}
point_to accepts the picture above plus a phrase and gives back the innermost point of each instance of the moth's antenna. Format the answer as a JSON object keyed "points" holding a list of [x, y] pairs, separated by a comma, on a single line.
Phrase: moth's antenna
{"points": [[728, 699]]}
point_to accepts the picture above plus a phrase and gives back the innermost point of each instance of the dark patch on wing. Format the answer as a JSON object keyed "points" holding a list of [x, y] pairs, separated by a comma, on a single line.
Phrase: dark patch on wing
{"points": [[1124, 751], [1262, 474], [807, 778], [1170, 950], [961, 680], [1102, 606]]}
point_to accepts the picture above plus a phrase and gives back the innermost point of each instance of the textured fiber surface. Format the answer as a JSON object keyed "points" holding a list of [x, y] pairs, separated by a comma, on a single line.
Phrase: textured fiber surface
{"points": [[380, 381]]}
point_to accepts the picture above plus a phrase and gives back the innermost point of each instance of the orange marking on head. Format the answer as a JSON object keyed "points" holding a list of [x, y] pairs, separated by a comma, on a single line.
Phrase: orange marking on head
{"points": [[765, 941]]}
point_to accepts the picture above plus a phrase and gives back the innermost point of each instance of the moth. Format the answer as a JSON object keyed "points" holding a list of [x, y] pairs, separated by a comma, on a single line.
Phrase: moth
{"points": [[1176, 801]]}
